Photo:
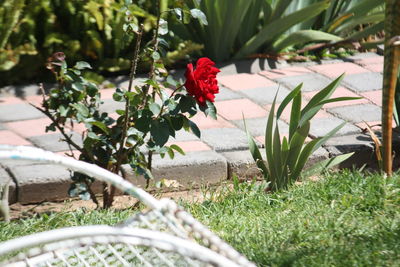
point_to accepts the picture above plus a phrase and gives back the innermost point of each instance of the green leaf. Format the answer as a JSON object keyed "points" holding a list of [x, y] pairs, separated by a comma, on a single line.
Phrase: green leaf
{"points": [[81, 108], [155, 108], [171, 153], [328, 135], [302, 159], [163, 27], [313, 105], [101, 126], [198, 14], [211, 110], [287, 100], [295, 115], [279, 26], [303, 37], [296, 145], [255, 153], [160, 132], [326, 164], [338, 99], [194, 128], [178, 149], [80, 65]]}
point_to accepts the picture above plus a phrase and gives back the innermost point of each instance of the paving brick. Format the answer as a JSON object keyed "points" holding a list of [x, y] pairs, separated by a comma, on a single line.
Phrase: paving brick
{"points": [[204, 122], [10, 138], [285, 116], [23, 91], [374, 67], [257, 126], [35, 100], [192, 170], [52, 142], [190, 146], [337, 69], [107, 93], [349, 143], [2, 127], [43, 182], [364, 81], [242, 164], [184, 136], [225, 139], [226, 94], [369, 60], [266, 95], [237, 108], [322, 126], [12, 191], [67, 153], [110, 106], [281, 73], [311, 82], [249, 66], [244, 81], [9, 100], [360, 56], [17, 112], [358, 113], [374, 96], [28, 128], [339, 92]]}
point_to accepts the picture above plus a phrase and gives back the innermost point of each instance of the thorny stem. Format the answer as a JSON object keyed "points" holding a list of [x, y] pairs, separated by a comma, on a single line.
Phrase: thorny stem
{"points": [[107, 201]]}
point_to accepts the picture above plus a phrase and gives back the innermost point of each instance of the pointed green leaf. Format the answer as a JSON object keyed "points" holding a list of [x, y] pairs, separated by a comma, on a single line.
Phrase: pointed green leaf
{"points": [[194, 128], [326, 164], [287, 100], [178, 149], [295, 115]]}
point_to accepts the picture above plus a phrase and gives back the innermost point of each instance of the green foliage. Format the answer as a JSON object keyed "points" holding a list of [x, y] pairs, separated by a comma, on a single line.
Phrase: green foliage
{"points": [[287, 157], [92, 31], [259, 26]]}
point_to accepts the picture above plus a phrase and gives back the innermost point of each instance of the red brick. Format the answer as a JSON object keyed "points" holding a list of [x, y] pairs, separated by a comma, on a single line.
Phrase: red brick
{"points": [[233, 109], [35, 100], [280, 73], [374, 96], [10, 138], [244, 81], [336, 69], [374, 67], [30, 128], [190, 146], [204, 122], [10, 100], [340, 92]]}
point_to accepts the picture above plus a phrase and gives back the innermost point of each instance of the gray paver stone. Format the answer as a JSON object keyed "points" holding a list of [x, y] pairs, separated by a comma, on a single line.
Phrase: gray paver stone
{"points": [[322, 126], [242, 164], [358, 56], [366, 81], [358, 113], [225, 139], [12, 191], [52, 142], [183, 136], [15, 112], [311, 82], [191, 170], [249, 66], [266, 95], [318, 155], [360, 144], [2, 127], [110, 106], [226, 94], [45, 182]]}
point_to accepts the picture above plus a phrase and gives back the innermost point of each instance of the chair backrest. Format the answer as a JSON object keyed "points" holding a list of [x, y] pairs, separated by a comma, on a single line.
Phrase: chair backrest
{"points": [[163, 215]]}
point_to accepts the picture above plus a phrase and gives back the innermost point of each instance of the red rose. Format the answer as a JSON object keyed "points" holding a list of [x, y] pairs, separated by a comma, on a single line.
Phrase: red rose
{"points": [[202, 83]]}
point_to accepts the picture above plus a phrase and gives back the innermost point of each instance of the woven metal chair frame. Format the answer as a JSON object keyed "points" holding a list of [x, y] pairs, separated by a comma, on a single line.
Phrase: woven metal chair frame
{"points": [[165, 229]]}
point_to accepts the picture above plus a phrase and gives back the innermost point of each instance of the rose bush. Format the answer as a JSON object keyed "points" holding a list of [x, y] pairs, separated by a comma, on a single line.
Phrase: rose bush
{"points": [[133, 133], [201, 82]]}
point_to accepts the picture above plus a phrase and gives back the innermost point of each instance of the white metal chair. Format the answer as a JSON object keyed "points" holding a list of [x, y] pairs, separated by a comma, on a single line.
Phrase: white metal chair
{"points": [[165, 235]]}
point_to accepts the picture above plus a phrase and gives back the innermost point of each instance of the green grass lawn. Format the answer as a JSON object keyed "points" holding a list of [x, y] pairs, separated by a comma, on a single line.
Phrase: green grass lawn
{"points": [[344, 219]]}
